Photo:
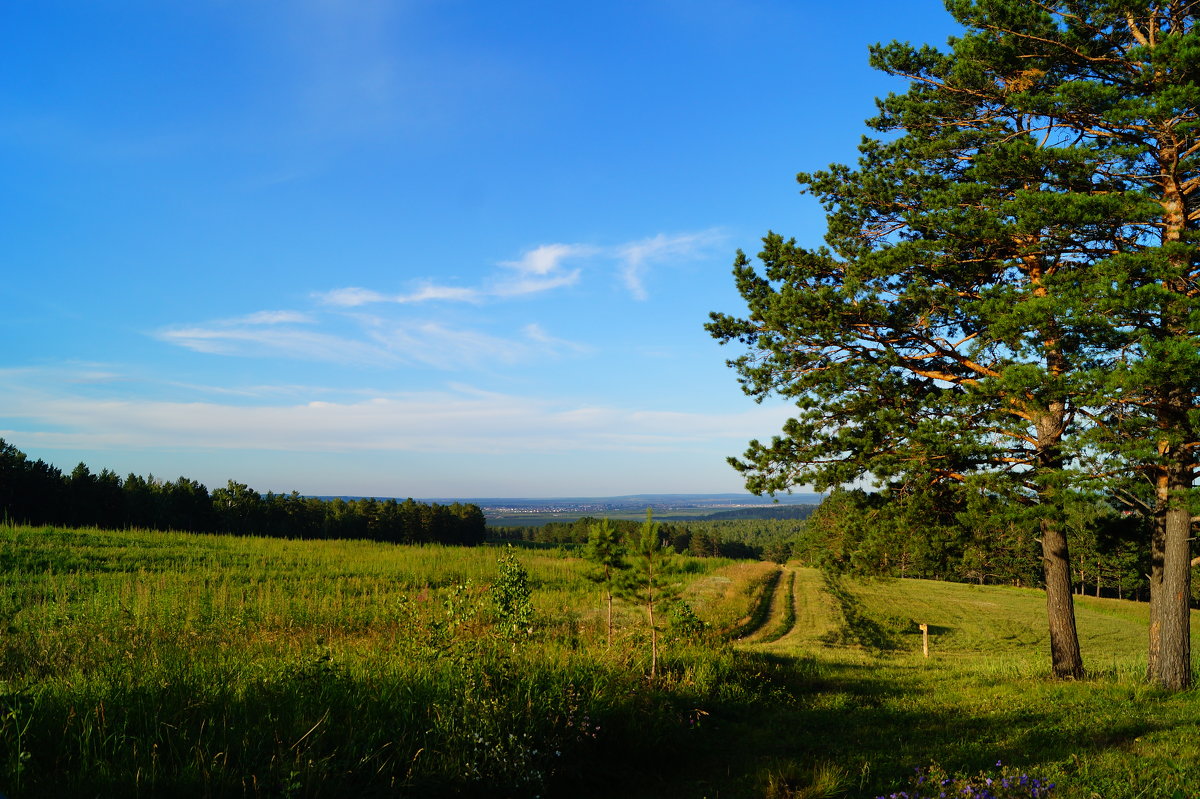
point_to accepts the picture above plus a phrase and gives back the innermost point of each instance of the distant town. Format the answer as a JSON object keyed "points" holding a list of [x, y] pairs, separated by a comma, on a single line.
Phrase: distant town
{"points": [[520, 511]]}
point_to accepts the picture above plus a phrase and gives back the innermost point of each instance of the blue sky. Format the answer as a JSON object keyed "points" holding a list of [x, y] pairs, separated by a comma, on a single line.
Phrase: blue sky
{"points": [[425, 248]]}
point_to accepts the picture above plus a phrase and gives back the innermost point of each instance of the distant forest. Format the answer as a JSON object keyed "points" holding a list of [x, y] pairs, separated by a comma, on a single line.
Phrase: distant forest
{"points": [[949, 534], [34, 492], [755, 512], [769, 539]]}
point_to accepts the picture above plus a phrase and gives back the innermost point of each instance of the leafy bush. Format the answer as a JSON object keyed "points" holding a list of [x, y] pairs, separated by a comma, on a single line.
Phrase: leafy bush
{"points": [[512, 597], [683, 621]]}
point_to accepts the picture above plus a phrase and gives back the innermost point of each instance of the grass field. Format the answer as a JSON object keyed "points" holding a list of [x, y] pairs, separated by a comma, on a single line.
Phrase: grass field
{"points": [[146, 664]]}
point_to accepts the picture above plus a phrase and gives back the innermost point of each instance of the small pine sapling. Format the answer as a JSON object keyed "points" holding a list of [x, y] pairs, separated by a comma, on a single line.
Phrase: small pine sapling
{"points": [[647, 581], [606, 553]]}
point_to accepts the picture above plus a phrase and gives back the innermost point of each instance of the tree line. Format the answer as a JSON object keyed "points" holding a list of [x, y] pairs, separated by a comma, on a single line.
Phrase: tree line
{"points": [[734, 538], [961, 538], [1008, 299], [34, 492]]}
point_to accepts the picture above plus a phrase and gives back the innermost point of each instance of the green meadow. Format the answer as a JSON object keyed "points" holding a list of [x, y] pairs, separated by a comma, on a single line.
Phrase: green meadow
{"points": [[150, 664]]}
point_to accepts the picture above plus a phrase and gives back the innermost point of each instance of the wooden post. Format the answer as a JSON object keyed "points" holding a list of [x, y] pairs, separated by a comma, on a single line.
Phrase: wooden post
{"points": [[925, 639]]}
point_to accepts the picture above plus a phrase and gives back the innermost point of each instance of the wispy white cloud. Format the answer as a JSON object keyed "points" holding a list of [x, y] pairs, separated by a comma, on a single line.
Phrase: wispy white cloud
{"points": [[547, 258], [368, 340], [354, 296], [538, 270], [525, 284], [331, 333], [534, 332], [441, 346], [247, 339], [430, 291], [636, 257], [274, 318], [541, 269], [458, 419], [350, 297], [544, 268]]}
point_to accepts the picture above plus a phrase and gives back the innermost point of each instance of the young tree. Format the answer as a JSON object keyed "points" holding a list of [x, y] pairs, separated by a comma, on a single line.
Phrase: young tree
{"points": [[647, 581], [512, 597], [606, 553]]}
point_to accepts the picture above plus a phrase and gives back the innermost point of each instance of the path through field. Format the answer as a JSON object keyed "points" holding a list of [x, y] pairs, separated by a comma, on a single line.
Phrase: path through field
{"points": [[801, 613], [857, 706]]}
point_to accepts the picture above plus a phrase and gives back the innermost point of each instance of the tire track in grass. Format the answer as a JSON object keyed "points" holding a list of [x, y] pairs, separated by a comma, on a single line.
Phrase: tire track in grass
{"points": [[812, 610], [760, 609], [783, 609]]}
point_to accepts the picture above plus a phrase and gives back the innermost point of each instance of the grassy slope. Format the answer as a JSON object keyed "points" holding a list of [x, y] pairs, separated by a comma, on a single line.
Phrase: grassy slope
{"points": [[148, 664], [874, 708], [197, 644]]}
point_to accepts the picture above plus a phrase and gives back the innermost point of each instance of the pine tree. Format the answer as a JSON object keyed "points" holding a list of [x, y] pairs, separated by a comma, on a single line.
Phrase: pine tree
{"points": [[647, 581], [606, 553], [1007, 285]]}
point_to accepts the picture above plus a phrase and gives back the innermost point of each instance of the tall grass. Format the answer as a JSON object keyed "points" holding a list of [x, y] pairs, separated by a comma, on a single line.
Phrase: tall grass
{"points": [[144, 664], [137, 663]]}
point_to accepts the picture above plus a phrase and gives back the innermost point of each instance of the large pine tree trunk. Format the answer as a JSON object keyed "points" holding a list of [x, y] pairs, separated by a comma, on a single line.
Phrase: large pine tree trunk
{"points": [[1065, 658], [1170, 655], [1158, 537], [1170, 606]]}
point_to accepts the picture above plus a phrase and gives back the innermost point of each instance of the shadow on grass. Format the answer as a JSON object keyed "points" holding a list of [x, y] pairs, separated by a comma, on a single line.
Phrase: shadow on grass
{"points": [[857, 627], [879, 722], [518, 729]]}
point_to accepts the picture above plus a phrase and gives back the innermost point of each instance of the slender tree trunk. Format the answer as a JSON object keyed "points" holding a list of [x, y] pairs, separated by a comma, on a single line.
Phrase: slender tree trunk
{"points": [[1065, 658], [653, 635], [1050, 424], [1158, 537], [610, 623]]}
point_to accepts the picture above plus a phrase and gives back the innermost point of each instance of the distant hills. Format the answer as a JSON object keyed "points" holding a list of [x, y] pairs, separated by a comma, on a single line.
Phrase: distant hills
{"points": [[534, 512], [642, 500], [780, 511], [513, 511]]}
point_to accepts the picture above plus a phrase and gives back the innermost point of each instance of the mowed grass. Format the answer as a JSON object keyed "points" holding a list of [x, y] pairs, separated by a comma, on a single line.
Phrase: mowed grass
{"points": [[875, 708], [148, 664]]}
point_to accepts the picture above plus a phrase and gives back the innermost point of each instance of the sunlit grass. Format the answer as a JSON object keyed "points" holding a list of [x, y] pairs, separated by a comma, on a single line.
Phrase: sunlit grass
{"points": [[141, 662], [984, 694], [135, 663]]}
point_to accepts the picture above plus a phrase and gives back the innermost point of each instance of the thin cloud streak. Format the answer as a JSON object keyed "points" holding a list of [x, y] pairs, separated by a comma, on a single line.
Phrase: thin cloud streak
{"points": [[275, 318], [441, 347], [542, 269], [377, 342], [547, 258], [534, 332], [636, 257], [220, 339], [354, 296], [462, 422]]}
